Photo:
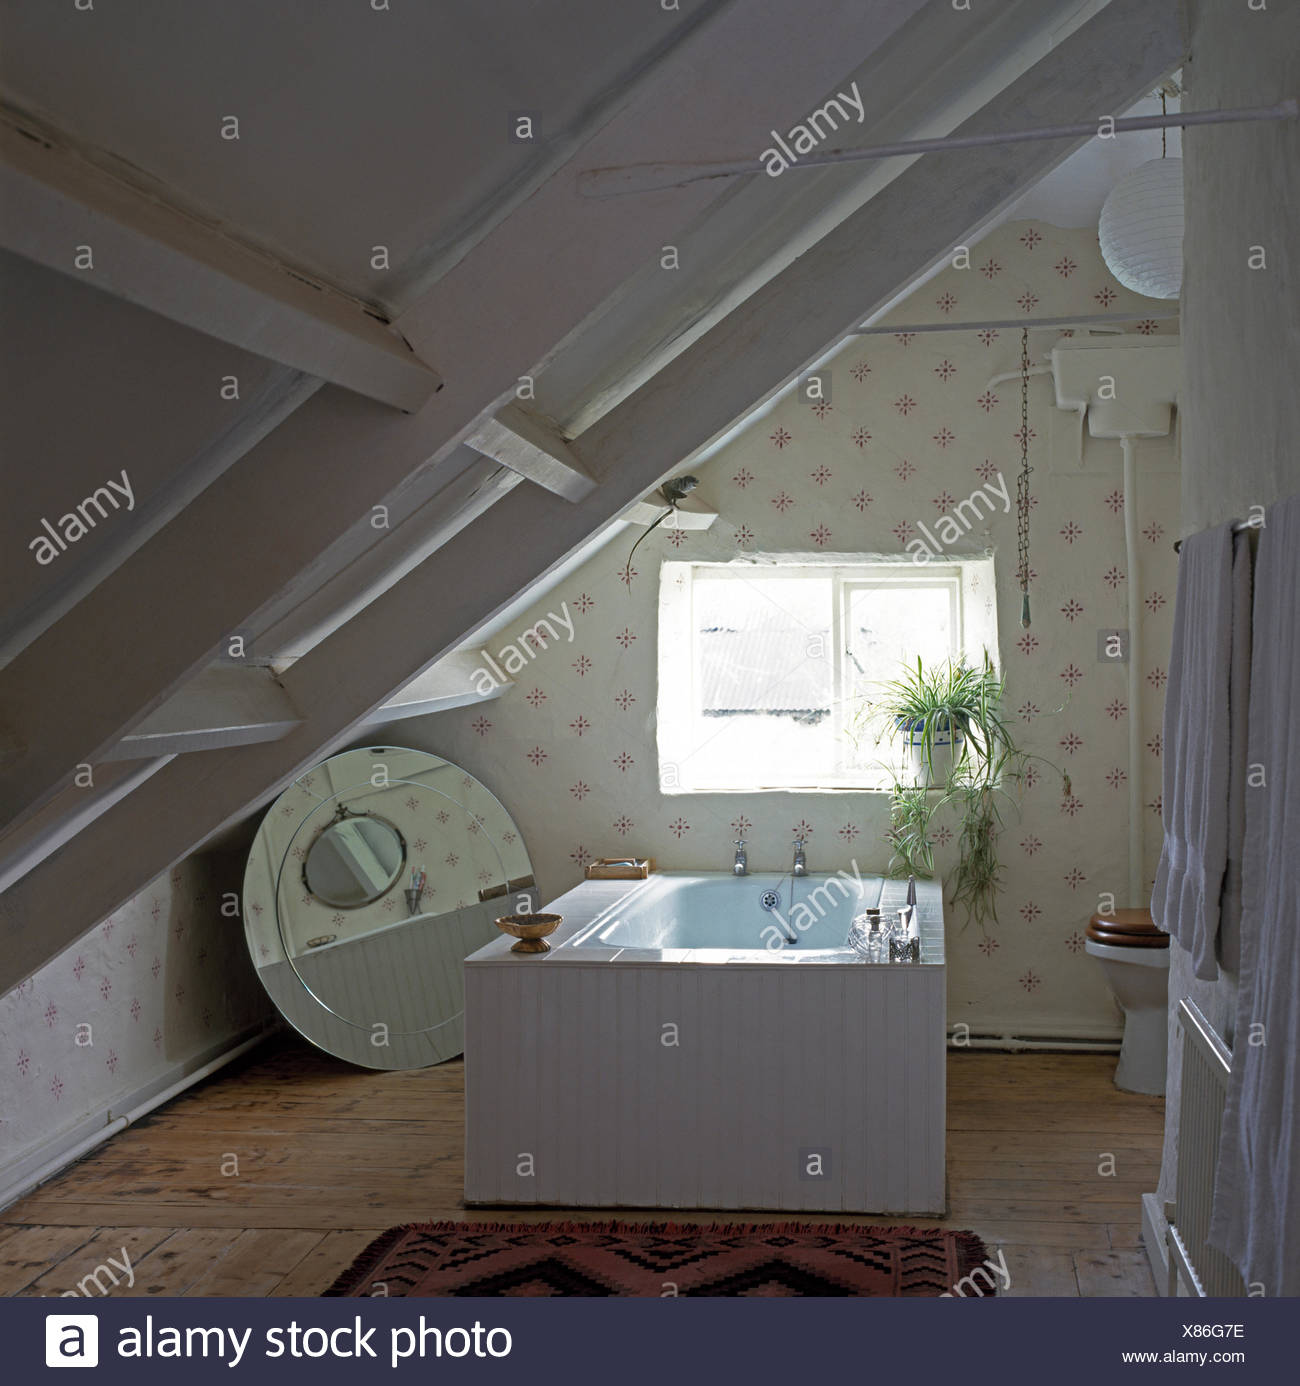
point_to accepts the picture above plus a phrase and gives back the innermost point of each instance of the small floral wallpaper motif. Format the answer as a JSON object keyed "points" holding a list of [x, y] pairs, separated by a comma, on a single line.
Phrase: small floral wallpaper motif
{"points": [[164, 979], [918, 422]]}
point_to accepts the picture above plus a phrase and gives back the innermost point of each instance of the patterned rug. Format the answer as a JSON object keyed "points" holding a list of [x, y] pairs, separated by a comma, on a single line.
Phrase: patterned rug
{"points": [[659, 1259]]}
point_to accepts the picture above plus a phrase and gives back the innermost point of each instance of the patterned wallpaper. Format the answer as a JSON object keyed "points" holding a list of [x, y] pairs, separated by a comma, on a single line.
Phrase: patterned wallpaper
{"points": [[165, 978], [911, 429]]}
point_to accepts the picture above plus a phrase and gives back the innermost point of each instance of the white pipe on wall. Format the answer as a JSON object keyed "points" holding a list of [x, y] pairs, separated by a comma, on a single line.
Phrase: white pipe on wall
{"points": [[1015, 375], [1136, 862]]}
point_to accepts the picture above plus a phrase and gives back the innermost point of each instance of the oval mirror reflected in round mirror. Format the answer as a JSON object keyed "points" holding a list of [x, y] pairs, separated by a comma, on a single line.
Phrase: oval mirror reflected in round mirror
{"points": [[354, 861], [370, 881]]}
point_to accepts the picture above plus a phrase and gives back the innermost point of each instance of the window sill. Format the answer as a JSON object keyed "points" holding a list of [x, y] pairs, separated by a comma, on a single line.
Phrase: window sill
{"points": [[884, 790]]}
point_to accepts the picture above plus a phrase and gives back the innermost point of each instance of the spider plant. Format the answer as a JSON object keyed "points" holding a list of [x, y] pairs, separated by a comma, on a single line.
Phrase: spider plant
{"points": [[978, 791], [948, 705], [909, 831], [955, 704]]}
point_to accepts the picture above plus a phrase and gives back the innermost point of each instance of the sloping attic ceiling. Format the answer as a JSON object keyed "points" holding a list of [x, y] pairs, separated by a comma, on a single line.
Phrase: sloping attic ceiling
{"points": [[401, 482], [357, 127]]}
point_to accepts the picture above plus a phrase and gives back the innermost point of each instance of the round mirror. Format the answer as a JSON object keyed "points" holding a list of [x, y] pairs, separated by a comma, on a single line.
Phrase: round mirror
{"points": [[370, 881], [354, 861]]}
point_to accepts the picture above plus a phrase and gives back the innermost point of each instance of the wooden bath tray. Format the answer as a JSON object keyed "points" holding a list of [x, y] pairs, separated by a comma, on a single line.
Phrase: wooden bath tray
{"points": [[620, 868]]}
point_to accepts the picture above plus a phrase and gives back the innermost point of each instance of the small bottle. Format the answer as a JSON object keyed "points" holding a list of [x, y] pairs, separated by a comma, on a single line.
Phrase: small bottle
{"points": [[907, 939], [886, 940], [899, 950]]}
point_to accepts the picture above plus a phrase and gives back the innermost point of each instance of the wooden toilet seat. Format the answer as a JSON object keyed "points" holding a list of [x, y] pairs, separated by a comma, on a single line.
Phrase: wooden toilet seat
{"points": [[1128, 928]]}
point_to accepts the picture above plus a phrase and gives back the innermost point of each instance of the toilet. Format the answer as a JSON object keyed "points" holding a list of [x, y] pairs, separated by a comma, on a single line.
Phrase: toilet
{"points": [[1134, 955]]}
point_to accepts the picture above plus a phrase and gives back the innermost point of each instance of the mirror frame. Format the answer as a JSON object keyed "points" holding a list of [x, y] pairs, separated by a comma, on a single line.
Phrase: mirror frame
{"points": [[341, 815], [278, 952]]}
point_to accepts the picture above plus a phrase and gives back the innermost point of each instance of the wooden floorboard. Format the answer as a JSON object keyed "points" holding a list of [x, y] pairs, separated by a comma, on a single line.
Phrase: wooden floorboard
{"points": [[272, 1176], [180, 1260], [1126, 1272], [34, 1250], [103, 1264]]}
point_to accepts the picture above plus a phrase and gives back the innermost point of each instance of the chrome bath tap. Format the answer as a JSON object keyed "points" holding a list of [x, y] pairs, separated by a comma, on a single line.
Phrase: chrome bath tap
{"points": [[740, 867], [800, 867]]}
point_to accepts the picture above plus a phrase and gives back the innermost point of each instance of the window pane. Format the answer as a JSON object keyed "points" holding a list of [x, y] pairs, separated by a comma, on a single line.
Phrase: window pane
{"points": [[767, 675], [892, 625], [885, 628], [762, 681]]}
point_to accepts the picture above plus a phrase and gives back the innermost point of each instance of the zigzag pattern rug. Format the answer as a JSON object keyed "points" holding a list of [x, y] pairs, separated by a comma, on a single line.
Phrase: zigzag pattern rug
{"points": [[659, 1259]]}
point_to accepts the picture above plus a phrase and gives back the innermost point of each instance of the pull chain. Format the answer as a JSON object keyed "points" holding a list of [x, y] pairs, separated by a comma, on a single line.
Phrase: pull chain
{"points": [[1164, 134], [1022, 483]]}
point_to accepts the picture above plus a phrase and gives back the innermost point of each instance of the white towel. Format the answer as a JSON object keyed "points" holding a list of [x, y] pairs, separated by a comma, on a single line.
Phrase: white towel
{"points": [[1238, 721], [1256, 1218], [1194, 803]]}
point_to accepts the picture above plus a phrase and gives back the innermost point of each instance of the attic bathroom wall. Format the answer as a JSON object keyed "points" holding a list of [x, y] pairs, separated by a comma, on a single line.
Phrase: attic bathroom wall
{"points": [[159, 988], [912, 429]]}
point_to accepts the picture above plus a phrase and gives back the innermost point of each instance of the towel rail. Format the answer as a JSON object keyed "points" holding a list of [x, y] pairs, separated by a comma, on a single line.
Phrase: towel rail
{"points": [[1238, 527]]}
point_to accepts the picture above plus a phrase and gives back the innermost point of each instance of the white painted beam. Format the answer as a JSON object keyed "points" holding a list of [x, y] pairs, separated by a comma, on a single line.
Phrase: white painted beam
{"points": [[225, 705], [790, 321], [54, 200], [535, 449], [62, 819], [447, 684], [366, 561]]}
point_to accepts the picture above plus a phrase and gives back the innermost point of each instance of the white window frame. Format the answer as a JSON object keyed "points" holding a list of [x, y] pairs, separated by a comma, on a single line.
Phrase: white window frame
{"points": [[678, 666]]}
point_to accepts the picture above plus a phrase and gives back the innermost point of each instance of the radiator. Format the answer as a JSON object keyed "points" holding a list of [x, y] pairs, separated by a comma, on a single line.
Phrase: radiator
{"points": [[1203, 1269]]}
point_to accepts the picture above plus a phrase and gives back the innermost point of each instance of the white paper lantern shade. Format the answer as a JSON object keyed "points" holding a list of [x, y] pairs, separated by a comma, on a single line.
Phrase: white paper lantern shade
{"points": [[1141, 229]]}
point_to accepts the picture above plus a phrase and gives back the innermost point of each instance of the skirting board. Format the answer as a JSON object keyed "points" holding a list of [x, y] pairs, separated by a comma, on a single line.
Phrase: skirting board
{"points": [[986, 1032], [42, 1162]]}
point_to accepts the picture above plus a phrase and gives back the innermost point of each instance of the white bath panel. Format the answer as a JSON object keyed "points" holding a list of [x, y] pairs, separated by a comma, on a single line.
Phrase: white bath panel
{"points": [[605, 1077]]}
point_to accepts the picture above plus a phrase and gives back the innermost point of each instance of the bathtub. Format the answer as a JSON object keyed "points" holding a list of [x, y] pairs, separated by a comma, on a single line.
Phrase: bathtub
{"points": [[674, 1051], [698, 912]]}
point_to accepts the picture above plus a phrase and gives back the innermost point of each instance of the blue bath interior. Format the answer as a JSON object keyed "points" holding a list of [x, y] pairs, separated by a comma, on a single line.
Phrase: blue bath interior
{"points": [[703, 910]]}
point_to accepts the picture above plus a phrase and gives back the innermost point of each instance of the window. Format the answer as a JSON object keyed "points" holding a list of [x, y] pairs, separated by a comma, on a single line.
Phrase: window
{"points": [[766, 672]]}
